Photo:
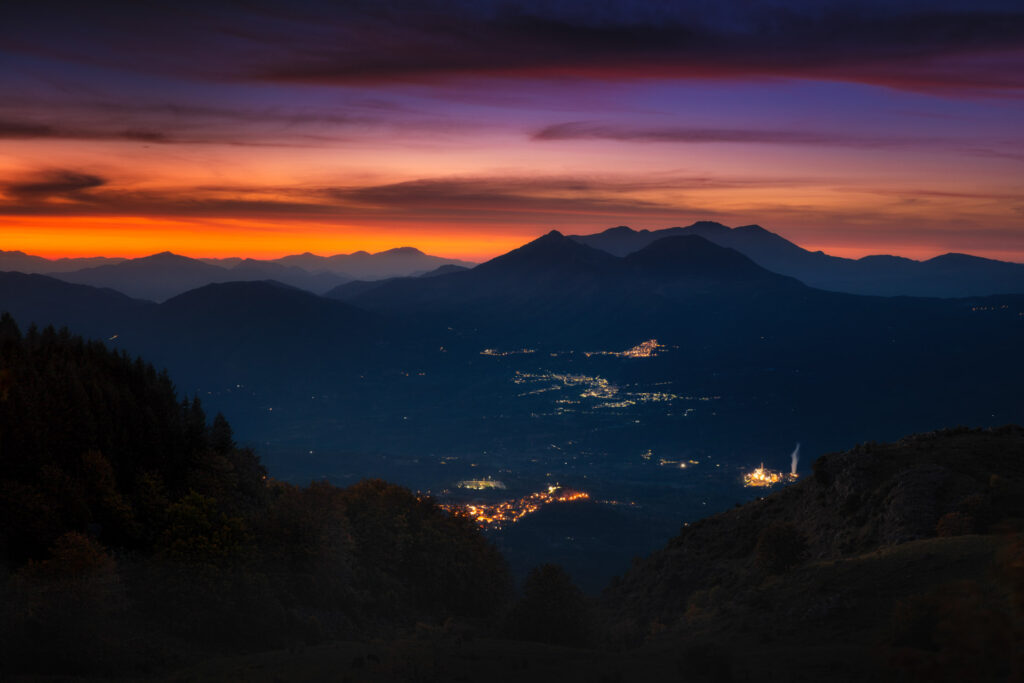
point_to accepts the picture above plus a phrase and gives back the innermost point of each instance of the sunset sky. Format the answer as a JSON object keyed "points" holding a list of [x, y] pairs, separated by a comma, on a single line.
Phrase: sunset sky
{"points": [[465, 128]]}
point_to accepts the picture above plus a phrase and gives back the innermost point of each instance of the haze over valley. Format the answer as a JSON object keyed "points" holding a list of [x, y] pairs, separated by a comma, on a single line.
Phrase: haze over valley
{"points": [[651, 381]]}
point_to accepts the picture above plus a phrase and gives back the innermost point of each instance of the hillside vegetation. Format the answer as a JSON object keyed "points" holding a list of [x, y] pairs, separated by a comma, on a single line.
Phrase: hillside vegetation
{"points": [[902, 559], [136, 534]]}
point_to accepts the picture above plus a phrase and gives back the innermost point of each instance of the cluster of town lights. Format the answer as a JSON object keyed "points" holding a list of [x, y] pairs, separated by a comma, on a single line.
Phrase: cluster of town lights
{"points": [[763, 477], [498, 515]]}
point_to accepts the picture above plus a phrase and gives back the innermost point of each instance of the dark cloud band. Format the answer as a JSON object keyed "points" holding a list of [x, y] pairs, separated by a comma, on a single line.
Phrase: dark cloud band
{"points": [[900, 43], [53, 184]]}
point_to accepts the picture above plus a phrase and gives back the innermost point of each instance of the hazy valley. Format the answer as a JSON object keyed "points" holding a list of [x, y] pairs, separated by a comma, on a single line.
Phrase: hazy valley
{"points": [[651, 381]]}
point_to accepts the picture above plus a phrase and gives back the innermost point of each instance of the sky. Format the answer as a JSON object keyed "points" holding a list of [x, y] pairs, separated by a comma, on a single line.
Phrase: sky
{"points": [[262, 128]]}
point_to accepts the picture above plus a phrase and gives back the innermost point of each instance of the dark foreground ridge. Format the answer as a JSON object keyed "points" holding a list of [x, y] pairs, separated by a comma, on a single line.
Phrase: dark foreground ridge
{"points": [[138, 537], [139, 543]]}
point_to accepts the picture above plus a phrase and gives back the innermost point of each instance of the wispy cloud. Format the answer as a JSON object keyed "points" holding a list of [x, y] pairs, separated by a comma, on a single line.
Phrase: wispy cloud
{"points": [[580, 130], [185, 123], [53, 184], [457, 199], [257, 130]]}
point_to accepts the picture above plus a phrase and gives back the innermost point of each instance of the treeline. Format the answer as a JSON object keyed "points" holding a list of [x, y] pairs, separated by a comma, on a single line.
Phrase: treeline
{"points": [[136, 532]]}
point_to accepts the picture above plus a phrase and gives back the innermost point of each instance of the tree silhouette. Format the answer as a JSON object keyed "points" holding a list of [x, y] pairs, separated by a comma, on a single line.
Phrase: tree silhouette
{"points": [[551, 610]]}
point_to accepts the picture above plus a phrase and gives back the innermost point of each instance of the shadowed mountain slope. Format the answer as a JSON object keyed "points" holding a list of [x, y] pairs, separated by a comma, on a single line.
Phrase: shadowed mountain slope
{"points": [[318, 283], [157, 277], [44, 300], [245, 330], [949, 275], [561, 288]]}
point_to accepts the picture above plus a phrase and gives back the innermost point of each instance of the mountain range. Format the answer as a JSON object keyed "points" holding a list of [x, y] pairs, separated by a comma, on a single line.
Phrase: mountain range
{"points": [[345, 276], [716, 305], [554, 289], [161, 276], [949, 275]]}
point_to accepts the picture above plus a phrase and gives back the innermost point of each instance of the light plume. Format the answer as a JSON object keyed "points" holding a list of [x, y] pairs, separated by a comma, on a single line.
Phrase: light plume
{"points": [[794, 458]]}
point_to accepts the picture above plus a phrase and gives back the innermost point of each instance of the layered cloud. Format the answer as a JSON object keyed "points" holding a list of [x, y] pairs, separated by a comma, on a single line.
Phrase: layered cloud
{"points": [[525, 202], [53, 184], [484, 117], [913, 44], [125, 119]]}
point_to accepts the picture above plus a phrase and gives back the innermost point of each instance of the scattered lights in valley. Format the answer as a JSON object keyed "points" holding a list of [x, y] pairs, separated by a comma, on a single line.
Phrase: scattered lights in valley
{"points": [[645, 349], [497, 515], [515, 352], [603, 393], [480, 484], [593, 386]]}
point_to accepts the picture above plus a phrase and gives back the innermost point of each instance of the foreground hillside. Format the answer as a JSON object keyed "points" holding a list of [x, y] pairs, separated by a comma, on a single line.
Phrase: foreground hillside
{"points": [[137, 536], [893, 562], [903, 558]]}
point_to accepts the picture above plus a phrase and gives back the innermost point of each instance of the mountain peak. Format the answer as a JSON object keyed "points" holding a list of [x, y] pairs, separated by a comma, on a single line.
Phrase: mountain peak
{"points": [[553, 251], [163, 257], [619, 230], [398, 251], [955, 257]]}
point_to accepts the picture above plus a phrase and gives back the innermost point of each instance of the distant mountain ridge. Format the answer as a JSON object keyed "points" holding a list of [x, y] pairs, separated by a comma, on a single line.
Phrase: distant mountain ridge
{"points": [[949, 275], [574, 291], [821, 362], [161, 276], [19, 261], [555, 267], [398, 262]]}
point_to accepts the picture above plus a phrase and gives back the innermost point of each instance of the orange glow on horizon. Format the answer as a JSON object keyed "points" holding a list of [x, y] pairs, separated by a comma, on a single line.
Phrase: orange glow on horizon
{"points": [[132, 237], [135, 236]]}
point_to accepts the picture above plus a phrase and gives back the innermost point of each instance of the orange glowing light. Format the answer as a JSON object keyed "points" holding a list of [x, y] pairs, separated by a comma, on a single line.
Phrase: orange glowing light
{"points": [[497, 515], [764, 477]]}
